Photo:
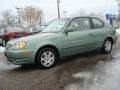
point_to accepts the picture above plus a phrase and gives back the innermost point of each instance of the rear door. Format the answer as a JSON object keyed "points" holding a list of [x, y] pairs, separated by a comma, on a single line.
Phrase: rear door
{"points": [[100, 31]]}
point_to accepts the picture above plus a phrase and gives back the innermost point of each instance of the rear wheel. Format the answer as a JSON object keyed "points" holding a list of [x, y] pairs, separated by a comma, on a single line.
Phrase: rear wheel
{"points": [[107, 46], [46, 58]]}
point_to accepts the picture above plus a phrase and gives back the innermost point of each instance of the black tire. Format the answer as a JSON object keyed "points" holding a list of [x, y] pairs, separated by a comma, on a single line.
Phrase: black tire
{"points": [[104, 47], [4, 42], [40, 54]]}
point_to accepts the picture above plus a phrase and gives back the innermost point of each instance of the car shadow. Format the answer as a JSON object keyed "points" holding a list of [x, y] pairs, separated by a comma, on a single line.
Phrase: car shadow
{"points": [[88, 56]]}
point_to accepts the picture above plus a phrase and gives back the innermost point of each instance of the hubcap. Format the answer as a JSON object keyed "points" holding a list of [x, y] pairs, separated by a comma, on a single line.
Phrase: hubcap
{"points": [[47, 58], [108, 46]]}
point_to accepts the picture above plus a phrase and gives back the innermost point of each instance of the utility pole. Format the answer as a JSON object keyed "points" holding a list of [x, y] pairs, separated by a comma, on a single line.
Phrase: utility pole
{"points": [[19, 15], [58, 7]]}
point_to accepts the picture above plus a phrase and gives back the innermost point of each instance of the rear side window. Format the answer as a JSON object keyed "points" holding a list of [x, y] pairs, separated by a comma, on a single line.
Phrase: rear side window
{"points": [[80, 24], [97, 23]]}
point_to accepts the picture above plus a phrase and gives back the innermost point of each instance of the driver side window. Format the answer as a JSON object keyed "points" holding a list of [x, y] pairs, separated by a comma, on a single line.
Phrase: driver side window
{"points": [[79, 24]]}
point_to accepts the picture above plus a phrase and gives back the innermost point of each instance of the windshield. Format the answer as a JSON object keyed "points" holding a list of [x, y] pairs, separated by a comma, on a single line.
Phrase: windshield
{"points": [[2, 31], [56, 26]]}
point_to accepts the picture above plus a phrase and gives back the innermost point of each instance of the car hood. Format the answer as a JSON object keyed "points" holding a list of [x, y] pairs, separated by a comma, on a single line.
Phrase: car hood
{"points": [[32, 37]]}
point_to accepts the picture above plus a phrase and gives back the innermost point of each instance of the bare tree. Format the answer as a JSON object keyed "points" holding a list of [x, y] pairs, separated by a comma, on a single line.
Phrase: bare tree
{"points": [[19, 16], [82, 12], [8, 18], [31, 16], [97, 14]]}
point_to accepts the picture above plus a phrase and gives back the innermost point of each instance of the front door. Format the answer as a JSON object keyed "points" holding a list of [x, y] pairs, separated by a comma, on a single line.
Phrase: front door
{"points": [[80, 39]]}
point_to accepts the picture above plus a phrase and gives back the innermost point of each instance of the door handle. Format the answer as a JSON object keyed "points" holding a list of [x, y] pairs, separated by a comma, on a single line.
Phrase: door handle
{"points": [[91, 34]]}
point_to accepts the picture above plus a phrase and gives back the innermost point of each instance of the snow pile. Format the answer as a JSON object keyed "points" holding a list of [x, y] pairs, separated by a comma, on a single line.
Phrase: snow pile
{"points": [[118, 31], [1, 49]]}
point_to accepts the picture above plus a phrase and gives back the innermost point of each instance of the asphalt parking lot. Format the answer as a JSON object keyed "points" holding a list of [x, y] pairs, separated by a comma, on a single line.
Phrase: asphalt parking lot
{"points": [[89, 71]]}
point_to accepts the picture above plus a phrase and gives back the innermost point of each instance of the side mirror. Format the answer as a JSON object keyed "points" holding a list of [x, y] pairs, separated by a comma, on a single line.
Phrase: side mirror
{"points": [[69, 29]]}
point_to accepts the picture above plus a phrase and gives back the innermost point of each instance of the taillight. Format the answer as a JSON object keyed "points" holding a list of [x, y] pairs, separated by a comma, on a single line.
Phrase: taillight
{"points": [[6, 35]]}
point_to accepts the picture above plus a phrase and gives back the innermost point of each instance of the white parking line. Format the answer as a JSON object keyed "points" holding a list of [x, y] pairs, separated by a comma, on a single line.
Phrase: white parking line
{"points": [[118, 31]]}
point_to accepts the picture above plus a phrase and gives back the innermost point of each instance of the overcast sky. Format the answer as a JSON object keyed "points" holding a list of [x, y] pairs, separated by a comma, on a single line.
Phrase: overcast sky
{"points": [[72, 7]]}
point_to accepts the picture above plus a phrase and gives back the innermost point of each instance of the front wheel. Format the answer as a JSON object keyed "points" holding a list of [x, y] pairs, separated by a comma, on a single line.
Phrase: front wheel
{"points": [[107, 46], [46, 58], [3, 42]]}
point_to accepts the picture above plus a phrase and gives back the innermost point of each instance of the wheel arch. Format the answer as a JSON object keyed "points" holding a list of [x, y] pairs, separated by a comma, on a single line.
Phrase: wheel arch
{"points": [[110, 39], [47, 46]]}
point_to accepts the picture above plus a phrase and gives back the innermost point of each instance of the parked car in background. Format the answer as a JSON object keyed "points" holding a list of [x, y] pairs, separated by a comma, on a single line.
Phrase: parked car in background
{"points": [[63, 37], [35, 30], [11, 33], [1, 33]]}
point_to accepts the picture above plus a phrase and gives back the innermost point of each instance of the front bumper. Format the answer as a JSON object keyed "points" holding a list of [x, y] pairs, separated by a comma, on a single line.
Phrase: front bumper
{"points": [[19, 57]]}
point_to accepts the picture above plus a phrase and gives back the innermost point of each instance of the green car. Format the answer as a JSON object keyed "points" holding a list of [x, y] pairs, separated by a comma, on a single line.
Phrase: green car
{"points": [[62, 37]]}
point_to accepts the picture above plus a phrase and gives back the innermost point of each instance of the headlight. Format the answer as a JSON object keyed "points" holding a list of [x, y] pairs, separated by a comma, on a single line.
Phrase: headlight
{"points": [[19, 45]]}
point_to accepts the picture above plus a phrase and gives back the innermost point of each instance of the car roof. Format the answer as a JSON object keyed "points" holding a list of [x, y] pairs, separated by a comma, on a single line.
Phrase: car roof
{"points": [[86, 17], [83, 17]]}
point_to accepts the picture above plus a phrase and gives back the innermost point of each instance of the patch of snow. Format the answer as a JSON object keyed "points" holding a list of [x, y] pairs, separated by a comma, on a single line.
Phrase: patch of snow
{"points": [[1, 49], [118, 31], [4, 65], [83, 75]]}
